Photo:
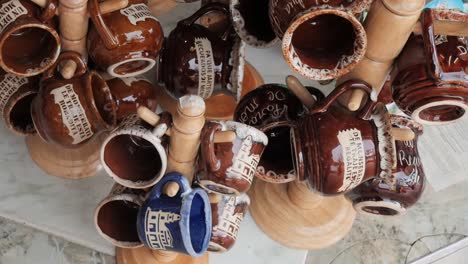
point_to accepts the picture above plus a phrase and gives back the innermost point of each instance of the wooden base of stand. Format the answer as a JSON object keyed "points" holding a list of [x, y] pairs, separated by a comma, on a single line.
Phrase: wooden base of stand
{"points": [[219, 107], [75, 163], [144, 255], [297, 218]]}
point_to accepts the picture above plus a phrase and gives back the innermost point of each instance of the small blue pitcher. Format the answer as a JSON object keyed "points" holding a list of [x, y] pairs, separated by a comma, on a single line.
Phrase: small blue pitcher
{"points": [[181, 223]]}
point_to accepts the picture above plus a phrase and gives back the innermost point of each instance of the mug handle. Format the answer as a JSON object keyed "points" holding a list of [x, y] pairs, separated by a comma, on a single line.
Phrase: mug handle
{"points": [[68, 55], [176, 177], [430, 47], [165, 119], [49, 10], [205, 9], [319, 96], [110, 41], [364, 113], [207, 145]]}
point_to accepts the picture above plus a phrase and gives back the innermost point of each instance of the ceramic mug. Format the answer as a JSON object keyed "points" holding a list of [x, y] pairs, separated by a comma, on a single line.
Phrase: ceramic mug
{"points": [[126, 42], [432, 80], [229, 168], [115, 218], [134, 154], [394, 195], [69, 112], [196, 60], [336, 149], [16, 95], [130, 93], [29, 42], [273, 109], [181, 223], [227, 215], [323, 39]]}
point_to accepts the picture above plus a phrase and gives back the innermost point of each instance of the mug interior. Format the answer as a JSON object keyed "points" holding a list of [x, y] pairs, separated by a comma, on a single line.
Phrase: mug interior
{"points": [[103, 99], [442, 113], [197, 223], [19, 117], [277, 155], [118, 220], [380, 210]]}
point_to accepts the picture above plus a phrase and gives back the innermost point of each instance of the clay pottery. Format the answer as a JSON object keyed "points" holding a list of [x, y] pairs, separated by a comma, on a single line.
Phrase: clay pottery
{"points": [[336, 149], [229, 168], [432, 80], [115, 218], [394, 195], [252, 23], [198, 61], [321, 40], [181, 223], [273, 109], [134, 154], [227, 213], [70, 112], [126, 42], [131, 93], [16, 95], [29, 42]]}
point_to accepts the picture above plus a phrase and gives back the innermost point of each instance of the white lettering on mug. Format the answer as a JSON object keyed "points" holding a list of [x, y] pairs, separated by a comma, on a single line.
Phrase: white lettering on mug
{"points": [[8, 86], [245, 164], [206, 73], [354, 158], [73, 114], [230, 221], [157, 233], [10, 11], [136, 13]]}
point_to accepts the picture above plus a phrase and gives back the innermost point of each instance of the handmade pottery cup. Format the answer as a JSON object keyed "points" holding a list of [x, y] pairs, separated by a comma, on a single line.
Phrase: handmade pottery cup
{"points": [[181, 223], [336, 149], [29, 42], [273, 109], [115, 218], [126, 42], [130, 93], [196, 60], [432, 80], [69, 112], [16, 95], [134, 154], [227, 213], [229, 168], [394, 195], [321, 40]]}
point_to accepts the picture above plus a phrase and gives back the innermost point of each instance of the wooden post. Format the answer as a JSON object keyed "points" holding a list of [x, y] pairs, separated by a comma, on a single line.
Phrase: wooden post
{"points": [[159, 7], [300, 91]]}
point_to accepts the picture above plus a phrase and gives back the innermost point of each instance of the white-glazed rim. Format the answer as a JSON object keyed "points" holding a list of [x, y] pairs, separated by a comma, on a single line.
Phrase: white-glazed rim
{"points": [[111, 69], [243, 130], [416, 113], [237, 62], [388, 204]]}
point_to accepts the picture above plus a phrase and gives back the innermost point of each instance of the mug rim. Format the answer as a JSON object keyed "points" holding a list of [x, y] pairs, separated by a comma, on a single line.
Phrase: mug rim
{"points": [[416, 115], [111, 69], [393, 205]]}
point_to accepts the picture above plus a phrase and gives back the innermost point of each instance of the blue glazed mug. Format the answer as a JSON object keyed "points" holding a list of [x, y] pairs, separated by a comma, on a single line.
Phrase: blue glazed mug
{"points": [[181, 223]]}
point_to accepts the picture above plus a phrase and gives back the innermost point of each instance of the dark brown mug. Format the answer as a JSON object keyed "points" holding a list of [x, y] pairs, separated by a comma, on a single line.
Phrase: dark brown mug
{"points": [[29, 42], [196, 60], [126, 42], [394, 195], [336, 149], [229, 168], [69, 112], [321, 40], [432, 80]]}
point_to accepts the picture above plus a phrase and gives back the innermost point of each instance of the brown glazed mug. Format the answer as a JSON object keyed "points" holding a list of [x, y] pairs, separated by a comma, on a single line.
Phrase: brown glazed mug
{"points": [[16, 95], [273, 109], [336, 149], [130, 93], [29, 42], [134, 154], [70, 112], [393, 196], [115, 218], [229, 168], [196, 60], [126, 42], [432, 81], [321, 40], [227, 213]]}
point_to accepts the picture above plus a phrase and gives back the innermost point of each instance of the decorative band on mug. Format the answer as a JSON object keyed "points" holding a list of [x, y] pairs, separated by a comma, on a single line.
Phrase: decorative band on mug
{"points": [[440, 113], [384, 208], [324, 56], [237, 61], [131, 67]]}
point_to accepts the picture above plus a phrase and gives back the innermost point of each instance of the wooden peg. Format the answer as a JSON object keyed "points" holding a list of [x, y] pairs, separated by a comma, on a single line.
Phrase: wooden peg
{"points": [[215, 197], [224, 136], [300, 91], [355, 100], [171, 189], [68, 69], [445, 27], [403, 134], [148, 116]]}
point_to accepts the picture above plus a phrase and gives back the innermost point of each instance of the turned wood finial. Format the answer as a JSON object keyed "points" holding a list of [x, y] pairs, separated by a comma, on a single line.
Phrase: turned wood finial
{"points": [[300, 91]]}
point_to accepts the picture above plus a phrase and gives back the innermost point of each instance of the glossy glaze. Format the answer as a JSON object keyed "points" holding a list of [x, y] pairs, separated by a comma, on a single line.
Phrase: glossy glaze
{"points": [[196, 60], [70, 112], [126, 42], [432, 80], [29, 42], [229, 168]]}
